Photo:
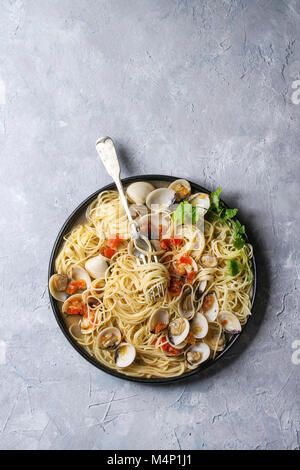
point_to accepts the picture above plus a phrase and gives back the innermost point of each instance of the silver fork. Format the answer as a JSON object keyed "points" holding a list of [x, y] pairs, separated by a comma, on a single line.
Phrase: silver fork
{"points": [[107, 152]]}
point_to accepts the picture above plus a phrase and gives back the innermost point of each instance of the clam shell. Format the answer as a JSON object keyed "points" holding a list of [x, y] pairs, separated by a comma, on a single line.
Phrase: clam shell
{"points": [[56, 294], [200, 200], [209, 261], [199, 326], [138, 192], [215, 337], [138, 210], [182, 189], [77, 273], [210, 307], [125, 355], [154, 221], [199, 289], [96, 266], [158, 316], [113, 338], [186, 305], [70, 300], [202, 350], [174, 338], [160, 198], [230, 323]]}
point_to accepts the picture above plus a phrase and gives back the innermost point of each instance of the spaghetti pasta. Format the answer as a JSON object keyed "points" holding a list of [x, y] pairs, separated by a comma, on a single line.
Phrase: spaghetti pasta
{"points": [[119, 299]]}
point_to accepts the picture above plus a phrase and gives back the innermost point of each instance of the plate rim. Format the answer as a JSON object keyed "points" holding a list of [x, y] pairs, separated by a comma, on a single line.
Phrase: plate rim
{"points": [[75, 214]]}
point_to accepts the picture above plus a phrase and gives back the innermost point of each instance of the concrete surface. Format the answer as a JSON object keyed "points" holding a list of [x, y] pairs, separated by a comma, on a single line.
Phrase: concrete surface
{"points": [[200, 89]]}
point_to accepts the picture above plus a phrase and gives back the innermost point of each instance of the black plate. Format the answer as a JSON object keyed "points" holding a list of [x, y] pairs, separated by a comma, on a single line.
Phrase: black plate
{"points": [[68, 225]]}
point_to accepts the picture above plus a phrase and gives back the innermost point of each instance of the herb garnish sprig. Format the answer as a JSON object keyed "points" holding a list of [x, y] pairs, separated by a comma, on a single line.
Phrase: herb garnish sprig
{"points": [[218, 211]]}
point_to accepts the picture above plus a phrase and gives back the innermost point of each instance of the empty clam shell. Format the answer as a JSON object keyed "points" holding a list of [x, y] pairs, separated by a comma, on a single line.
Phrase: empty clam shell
{"points": [[209, 261], [96, 266], [160, 199], [210, 307], [58, 284], [197, 354], [138, 192], [199, 326], [125, 355], [200, 200], [109, 338], [186, 305], [182, 189], [77, 273], [230, 323], [199, 288], [159, 320], [138, 210], [215, 337], [178, 331]]}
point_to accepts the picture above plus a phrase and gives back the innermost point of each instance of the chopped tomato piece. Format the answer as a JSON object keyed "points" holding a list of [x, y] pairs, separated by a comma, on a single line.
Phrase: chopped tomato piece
{"points": [[165, 243], [159, 327], [114, 242], [190, 277], [107, 252], [175, 286], [160, 230], [74, 310], [176, 241], [167, 348], [186, 259], [75, 286]]}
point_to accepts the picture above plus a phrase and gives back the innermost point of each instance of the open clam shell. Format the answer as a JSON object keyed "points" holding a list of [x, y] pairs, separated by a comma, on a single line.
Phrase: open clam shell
{"points": [[160, 198], [58, 284], [186, 305], [199, 289], [200, 200], [73, 301], [125, 355], [210, 307], [77, 273], [230, 323], [154, 225], [138, 192], [197, 354], [178, 330], [159, 320], [96, 266], [182, 189], [209, 261], [199, 326], [109, 338], [138, 210], [215, 337]]}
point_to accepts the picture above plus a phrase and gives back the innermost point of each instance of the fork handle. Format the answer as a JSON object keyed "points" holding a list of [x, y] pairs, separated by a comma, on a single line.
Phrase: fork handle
{"points": [[107, 152]]}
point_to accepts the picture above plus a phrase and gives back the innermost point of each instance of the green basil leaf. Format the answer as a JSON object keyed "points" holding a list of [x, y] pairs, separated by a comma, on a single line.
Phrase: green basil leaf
{"points": [[233, 266]]}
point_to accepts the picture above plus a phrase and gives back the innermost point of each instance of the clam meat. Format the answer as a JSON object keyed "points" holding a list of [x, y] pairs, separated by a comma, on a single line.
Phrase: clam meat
{"points": [[197, 354]]}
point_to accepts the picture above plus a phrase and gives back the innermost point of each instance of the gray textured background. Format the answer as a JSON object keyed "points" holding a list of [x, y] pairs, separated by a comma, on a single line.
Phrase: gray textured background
{"points": [[200, 89]]}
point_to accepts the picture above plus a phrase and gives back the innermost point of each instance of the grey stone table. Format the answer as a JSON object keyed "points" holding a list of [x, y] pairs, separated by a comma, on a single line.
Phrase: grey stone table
{"points": [[206, 90]]}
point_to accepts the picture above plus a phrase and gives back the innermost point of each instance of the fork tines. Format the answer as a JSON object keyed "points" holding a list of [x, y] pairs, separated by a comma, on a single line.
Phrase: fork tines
{"points": [[156, 292]]}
